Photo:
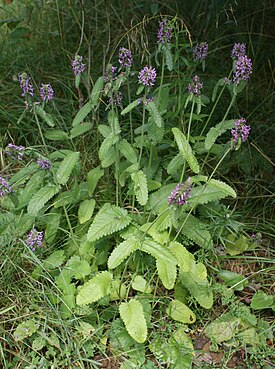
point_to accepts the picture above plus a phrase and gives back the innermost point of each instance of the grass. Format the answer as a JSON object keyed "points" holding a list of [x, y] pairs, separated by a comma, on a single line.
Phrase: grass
{"points": [[87, 339]]}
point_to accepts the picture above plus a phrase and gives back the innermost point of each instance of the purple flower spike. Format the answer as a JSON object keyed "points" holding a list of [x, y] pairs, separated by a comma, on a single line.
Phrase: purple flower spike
{"points": [[195, 87], [238, 50], [147, 76], [200, 51], [164, 32], [125, 57], [34, 239], [116, 99], [243, 69], [5, 188], [241, 130], [46, 92], [25, 84], [181, 193], [44, 164], [15, 152], [77, 65]]}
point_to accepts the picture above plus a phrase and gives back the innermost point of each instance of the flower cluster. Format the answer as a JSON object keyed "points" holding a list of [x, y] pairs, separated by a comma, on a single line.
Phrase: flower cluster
{"points": [[195, 87], [180, 193], [200, 51], [147, 76], [145, 100], [243, 69], [238, 50], [25, 84], [125, 58], [116, 99], [110, 74], [164, 32], [44, 164], [14, 151], [77, 65], [241, 130], [34, 239], [5, 188], [46, 92]]}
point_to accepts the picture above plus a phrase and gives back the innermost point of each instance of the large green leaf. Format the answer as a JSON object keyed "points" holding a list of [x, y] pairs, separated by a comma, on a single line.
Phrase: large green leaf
{"points": [[93, 176], [80, 129], [96, 91], [140, 187], [177, 310], [175, 164], [133, 317], [127, 150], [130, 107], [167, 273], [159, 199], [66, 166], [82, 114], [183, 256], [108, 220], [158, 251], [107, 143], [216, 131], [154, 113], [123, 250], [94, 289], [85, 210], [196, 230], [43, 115], [56, 135], [185, 150], [41, 198]]}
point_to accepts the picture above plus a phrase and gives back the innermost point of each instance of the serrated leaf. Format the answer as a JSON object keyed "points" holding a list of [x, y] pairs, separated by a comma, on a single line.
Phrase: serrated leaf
{"points": [[133, 317], [66, 166], [56, 135], [127, 150], [185, 150], [25, 195], [130, 107], [41, 198], [106, 145], [122, 251], [183, 256], [140, 187], [261, 300], [140, 284], [55, 260], [219, 83], [175, 164], [216, 131], [104, 130], [80, 129], [155, 133], [108, 220], [97, 287], [78, 268], [158, 251], [85, 210], [168, 59], [114, 123], [177, 310], [167, 273], [93, 177], [97, 89], [25, 329], [154, 113], [159, 199], [196, 230], [110, 158], [47, 118], [82, 114]]}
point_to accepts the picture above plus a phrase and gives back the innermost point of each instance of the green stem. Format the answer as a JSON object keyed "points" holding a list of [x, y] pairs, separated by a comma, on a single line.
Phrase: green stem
{"points": [[40, 131], [130, 113], [142, 133]]}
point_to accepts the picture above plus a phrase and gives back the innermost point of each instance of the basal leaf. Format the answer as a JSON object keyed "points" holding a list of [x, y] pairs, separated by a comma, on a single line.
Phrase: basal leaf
{"points": [[183, 256], [108, 220], [85, 210], [185, 150], [158, 251], [140, 187], [177, 310], [97, 287], [140, 284], [41, 198], [167, 273], [66, 166], [122, 251], [196, 230], [133, 317]]}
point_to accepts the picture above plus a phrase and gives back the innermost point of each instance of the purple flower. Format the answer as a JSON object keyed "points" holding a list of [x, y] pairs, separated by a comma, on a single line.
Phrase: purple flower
{"points": [[5, 188], [147, 76], [77, 65], [180, 193], [25, 84], [110, 74], [164, 32], [195, 87], [116, 99], [243, 70], [14, 151], [125, 57], [145, 100], [46, 92], [227, 81], [44, 164], [200, 51], [238, 50], [34, 239], [241, 130]]}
